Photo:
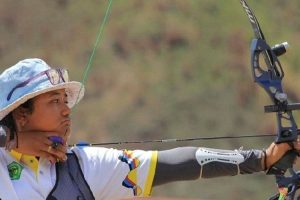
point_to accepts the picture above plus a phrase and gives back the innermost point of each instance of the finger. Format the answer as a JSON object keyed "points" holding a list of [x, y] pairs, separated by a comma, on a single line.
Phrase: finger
{"points": [[58, 146], [48, 156], [62, 148], [55, 156], [49, 148], [297, 144], [49, 142], [48, 151], [60, 155], [58, 151]]}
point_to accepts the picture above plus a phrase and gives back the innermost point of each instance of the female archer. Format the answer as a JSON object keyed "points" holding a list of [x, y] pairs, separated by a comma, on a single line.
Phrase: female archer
{"points": [[35, 106]]}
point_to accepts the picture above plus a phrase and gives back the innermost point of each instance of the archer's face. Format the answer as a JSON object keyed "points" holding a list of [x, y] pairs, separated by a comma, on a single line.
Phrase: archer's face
{"points": [[50, 113]]}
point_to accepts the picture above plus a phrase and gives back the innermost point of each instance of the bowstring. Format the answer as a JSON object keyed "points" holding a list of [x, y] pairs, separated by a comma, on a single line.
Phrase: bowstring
{"points": [[96, 46]]}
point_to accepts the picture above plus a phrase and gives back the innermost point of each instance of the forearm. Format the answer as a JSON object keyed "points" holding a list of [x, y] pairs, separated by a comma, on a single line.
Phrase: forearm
{"points": [[176, 164], [189, 163]]}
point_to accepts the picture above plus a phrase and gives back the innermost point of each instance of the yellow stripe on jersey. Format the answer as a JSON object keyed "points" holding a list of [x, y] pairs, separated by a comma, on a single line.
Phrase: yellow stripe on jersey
{"points": [[149, 181]]}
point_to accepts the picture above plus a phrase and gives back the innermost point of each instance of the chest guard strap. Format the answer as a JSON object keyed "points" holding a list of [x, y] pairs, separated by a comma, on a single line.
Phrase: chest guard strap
{"points": [[70, 182]]}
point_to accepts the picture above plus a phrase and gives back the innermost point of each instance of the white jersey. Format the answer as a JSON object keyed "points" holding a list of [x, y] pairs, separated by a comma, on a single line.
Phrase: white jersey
{"points": [[110, 173]]}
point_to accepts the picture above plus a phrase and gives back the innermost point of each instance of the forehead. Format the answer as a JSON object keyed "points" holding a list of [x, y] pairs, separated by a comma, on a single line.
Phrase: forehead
{"points": [[60, 92]]}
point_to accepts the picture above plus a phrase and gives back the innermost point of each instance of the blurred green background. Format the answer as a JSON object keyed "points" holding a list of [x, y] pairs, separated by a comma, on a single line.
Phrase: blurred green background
{"points": [[164, 69]]}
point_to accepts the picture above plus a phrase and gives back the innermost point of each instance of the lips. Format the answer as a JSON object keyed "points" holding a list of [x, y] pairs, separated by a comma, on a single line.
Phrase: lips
{"points": [[66, 122]]}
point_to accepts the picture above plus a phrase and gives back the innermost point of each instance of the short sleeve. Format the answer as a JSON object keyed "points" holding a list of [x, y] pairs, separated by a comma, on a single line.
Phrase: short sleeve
{"points": [[116, 174]]}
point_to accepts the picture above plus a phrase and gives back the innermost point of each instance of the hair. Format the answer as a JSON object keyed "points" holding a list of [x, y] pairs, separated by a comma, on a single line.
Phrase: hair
{"points": [[9, 121]]}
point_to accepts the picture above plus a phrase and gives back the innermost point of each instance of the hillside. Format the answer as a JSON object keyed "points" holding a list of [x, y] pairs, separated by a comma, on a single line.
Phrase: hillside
{"points": [[164, 69]]}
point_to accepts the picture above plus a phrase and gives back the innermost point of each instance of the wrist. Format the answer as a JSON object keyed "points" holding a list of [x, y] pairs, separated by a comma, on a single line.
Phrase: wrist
{"points": [[254, 161]]}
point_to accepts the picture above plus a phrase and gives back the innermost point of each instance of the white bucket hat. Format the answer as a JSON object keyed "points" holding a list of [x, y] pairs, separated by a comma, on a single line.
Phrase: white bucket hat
{"points": [[24, 71]]}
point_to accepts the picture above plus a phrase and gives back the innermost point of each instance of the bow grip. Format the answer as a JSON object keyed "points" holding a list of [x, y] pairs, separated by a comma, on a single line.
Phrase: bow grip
{"points": [[284, 163]]}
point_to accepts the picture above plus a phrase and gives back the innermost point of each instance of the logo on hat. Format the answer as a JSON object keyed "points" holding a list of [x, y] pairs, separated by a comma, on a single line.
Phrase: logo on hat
{"points": [[15, 170]]}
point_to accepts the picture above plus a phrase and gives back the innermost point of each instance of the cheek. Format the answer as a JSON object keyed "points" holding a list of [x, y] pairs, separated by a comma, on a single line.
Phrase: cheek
{"points": [[45, 119]]}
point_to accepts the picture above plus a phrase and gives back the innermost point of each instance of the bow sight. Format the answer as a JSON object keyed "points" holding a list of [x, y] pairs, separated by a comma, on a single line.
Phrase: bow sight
{"points": [[269, 78]]}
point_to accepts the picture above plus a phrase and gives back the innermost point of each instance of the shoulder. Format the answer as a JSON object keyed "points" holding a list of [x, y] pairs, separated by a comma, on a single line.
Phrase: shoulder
{"points": [[96, 154], [109, 156]]}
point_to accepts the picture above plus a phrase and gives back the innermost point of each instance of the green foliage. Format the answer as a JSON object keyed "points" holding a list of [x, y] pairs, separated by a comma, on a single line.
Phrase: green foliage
{"points": [[164, 69]]}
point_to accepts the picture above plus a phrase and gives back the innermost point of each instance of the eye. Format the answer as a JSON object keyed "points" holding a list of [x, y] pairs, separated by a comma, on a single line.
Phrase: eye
{"points": [[55, 101]]}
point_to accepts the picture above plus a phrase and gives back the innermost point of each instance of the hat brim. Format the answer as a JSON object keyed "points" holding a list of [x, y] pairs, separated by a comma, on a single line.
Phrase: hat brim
{"points": [[74, 90]]}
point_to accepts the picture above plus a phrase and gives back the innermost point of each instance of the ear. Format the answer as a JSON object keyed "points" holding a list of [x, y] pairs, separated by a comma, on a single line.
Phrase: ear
{"points": [[20, 116]]}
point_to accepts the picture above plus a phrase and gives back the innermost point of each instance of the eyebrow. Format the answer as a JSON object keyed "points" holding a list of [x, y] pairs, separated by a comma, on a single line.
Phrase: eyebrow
{"points": [[54, 93]]}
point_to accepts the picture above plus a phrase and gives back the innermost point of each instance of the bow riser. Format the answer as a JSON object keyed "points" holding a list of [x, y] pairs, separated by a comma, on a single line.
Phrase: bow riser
{"points": [[270, 79]]}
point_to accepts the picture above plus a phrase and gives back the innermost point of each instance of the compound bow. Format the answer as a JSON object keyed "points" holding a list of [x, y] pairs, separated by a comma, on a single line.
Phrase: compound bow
{"points": [[270, 78]]}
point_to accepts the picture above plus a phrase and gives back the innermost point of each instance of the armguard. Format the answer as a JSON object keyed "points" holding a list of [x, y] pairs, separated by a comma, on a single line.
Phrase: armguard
{"points": [[216, 162]]}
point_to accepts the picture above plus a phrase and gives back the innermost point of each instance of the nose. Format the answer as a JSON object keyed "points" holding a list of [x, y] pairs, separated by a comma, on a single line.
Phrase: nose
{"points": [[66, 110]]}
